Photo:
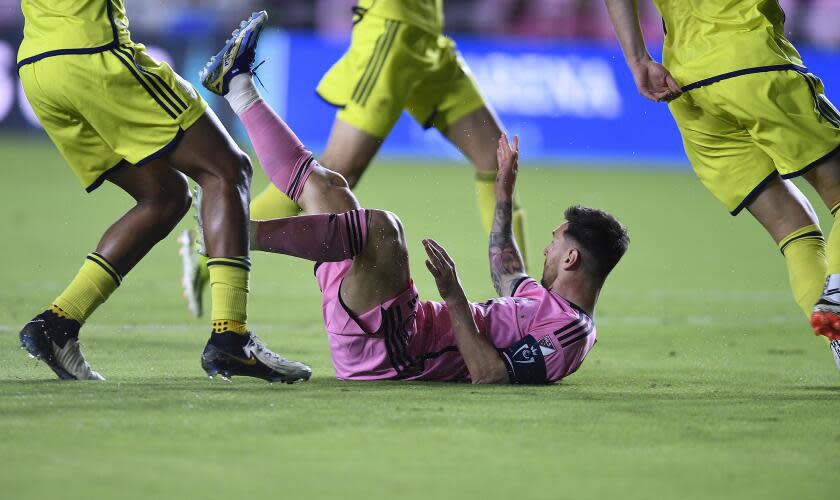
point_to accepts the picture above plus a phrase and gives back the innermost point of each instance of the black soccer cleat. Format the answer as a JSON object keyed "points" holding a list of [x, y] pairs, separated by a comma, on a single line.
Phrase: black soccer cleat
{"points": [[55, 340], [228, 354]]}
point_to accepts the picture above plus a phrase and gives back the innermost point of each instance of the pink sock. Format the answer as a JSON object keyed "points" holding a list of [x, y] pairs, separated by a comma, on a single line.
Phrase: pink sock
{"points": [[286, 162], [321, 237]]}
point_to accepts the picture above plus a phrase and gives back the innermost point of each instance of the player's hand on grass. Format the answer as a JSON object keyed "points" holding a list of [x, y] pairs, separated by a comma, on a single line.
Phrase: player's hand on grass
{"points": [[507, 156], [443, 269], [654, 81]]}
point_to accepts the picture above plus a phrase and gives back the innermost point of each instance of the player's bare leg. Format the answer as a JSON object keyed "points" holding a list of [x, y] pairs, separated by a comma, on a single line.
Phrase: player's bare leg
{"points": [[825, 318], [349, 151], [209, 155], [162, 198], [790, 220], [476, 135], [333, 227]]}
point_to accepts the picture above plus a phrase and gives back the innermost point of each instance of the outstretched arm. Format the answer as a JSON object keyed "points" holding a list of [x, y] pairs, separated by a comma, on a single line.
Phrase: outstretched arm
{"points": [[506, 265], [652, 79], [482, 360]]}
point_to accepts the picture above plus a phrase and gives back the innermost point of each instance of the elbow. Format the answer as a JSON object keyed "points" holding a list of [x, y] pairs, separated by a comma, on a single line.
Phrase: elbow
{"points": [[495, 375]]}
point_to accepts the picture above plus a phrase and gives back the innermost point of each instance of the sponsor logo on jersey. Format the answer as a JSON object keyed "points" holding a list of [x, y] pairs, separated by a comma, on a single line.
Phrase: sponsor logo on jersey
{"points": [[546, 347]]}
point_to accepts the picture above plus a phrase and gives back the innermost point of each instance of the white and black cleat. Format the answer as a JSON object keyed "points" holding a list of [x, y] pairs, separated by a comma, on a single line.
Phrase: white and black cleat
{"points": [[55, 341], [227, 354]]}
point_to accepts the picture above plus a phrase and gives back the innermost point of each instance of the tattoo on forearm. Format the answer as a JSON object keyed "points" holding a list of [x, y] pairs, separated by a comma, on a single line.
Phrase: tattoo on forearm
{"points": [[505, 260]]}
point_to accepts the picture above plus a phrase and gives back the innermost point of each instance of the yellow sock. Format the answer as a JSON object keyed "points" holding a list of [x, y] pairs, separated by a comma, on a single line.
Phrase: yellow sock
{"points": [[272, 203], [95, 282], [229, 292], [804, 251], [485, 194]]}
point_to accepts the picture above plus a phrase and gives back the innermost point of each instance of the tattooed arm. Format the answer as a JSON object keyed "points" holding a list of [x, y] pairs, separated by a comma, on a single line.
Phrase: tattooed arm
{"points": [[506, 265]]}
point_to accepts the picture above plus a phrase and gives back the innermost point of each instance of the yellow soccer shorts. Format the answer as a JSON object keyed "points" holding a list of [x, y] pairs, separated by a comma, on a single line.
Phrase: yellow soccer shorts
{"points": [[100, 109], [740, 133], [391, 66]]}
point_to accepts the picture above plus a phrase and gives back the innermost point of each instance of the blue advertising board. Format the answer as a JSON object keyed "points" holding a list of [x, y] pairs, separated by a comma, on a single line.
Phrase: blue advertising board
{"points": [[568, 101]]}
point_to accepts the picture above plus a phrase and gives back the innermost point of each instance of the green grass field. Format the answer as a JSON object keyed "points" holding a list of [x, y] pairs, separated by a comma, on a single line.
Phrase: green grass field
{"points": [[705, 383]]}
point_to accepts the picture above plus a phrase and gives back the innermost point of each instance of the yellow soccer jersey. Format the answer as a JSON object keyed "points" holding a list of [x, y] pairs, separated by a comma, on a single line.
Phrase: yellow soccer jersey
{"points": [[708, 38], [425, 14], [55, 27]]}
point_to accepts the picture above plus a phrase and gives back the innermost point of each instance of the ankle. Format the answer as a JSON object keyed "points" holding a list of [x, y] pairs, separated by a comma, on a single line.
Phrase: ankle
{"points": [[242, 94]]}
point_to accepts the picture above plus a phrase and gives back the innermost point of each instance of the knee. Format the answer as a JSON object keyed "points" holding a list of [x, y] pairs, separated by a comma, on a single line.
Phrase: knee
{"points": [[324, 180], [234, 169], [386, 231], [171, 201], [335, 180]]}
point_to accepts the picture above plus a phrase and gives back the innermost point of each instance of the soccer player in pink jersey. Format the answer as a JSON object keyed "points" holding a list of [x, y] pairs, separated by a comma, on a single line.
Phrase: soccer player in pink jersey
{"points": [[378, 328]]}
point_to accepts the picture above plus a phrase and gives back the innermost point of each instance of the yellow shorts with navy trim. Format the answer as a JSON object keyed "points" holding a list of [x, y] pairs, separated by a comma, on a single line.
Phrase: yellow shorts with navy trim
{"points": [[391, 66], [740, 133], [100, 109]]}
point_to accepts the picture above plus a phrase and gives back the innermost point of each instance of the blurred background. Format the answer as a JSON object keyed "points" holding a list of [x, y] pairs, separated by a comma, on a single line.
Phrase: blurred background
{"points": [[550, 68]]}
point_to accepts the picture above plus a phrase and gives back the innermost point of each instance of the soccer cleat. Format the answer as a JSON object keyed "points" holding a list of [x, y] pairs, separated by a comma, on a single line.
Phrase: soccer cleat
{"points": [[835, 351], [228, 354], [195, 276], [55, 341], [236, 57], [825, 319]]}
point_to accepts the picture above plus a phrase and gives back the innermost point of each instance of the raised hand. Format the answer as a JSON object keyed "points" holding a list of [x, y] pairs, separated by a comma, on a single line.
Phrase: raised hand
{"points": [[442, 268], [507, 156]]}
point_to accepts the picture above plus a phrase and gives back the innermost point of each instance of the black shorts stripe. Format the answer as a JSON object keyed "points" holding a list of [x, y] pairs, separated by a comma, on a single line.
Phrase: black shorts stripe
{"points": [[166, 87], [584, 326], [822, 105], [817, 235], [377, 48], [151, 81], [161, 81], [565, 328], [388, 327], [142, 82], [379, 65], [576, 339], [402, 339], [397, 340], [107, 268]]}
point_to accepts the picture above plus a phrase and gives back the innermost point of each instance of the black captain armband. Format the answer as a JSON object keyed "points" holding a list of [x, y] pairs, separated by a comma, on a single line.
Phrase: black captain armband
{"points": [[524, 362]]}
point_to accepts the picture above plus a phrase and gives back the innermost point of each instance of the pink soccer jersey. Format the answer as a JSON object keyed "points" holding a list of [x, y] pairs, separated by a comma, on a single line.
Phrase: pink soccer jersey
{"points": [[540, 336]]}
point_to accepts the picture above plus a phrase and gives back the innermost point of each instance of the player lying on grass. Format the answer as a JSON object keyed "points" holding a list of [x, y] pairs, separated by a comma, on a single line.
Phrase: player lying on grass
{"points": [[751, 117], [398, 60], [378, 328]]}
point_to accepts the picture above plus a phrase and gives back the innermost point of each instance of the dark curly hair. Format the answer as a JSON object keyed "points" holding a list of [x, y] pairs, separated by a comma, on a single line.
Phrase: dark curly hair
{"points": [[601, 235]]}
